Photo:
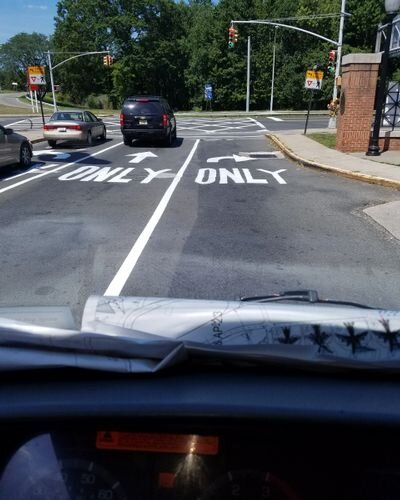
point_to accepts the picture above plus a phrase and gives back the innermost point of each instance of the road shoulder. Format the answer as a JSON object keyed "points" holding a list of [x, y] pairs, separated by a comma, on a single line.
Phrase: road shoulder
{"points": [[309, 153]]}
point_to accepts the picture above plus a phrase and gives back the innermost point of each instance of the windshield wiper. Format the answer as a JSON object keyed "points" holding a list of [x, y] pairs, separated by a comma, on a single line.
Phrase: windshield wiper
{"points": [[310, 296]]}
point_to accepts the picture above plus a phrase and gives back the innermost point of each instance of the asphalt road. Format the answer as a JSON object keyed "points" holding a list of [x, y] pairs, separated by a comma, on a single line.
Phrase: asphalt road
{"points": [[207, 218], [273, 123], [11, 99]]}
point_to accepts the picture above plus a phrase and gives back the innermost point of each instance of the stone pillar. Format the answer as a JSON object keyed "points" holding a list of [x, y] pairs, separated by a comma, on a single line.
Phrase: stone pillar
{"points": [[359, 82]]}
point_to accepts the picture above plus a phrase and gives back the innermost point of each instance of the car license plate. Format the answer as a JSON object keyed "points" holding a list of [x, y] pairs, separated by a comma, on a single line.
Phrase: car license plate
{"points": [[142, 122], [62, 130]]}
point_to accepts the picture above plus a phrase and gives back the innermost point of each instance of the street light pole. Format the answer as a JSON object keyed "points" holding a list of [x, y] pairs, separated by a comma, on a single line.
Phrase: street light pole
{"points": [[248, 74], [391, 7], [51, 80], [271, 104]]}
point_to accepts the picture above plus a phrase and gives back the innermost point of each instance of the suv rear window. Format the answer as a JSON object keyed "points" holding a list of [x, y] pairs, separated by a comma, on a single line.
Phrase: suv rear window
{"points": [[143, 108]]}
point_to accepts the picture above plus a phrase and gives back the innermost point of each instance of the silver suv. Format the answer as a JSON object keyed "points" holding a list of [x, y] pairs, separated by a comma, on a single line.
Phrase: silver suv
{"points": [[14, 148]]}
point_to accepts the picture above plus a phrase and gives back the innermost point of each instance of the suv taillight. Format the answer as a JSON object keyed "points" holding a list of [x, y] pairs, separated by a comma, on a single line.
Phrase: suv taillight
{"points": [[122, 119], [165, 120]]}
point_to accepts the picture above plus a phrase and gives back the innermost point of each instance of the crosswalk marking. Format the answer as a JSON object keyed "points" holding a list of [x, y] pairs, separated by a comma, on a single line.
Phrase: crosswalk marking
{"points": [[274, 118]]}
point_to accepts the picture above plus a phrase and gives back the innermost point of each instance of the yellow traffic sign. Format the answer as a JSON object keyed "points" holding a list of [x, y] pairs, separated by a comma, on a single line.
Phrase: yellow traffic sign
{"points": [[314, 75], [36, 70], [36, 75]]}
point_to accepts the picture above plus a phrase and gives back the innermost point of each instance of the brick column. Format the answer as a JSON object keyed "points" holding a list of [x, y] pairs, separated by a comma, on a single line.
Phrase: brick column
{"points": [[359, 81]]}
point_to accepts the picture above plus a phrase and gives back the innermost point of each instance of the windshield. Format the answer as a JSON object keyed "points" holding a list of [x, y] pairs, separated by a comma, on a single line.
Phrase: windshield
{"points": [[276, 177]]}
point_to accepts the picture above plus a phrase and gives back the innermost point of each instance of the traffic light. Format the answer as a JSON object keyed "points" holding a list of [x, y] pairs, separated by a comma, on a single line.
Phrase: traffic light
{"points": [[107, 60], [236, 36], [332, 62], [232, 33]]}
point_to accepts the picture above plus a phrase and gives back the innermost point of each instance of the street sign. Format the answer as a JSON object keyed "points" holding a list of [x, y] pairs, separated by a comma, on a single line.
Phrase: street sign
{"points": [[36, 75], [208, 92], [314, 80]]}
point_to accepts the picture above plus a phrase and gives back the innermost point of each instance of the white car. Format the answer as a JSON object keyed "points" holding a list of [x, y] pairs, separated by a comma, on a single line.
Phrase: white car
{"points": [[76, 125]]}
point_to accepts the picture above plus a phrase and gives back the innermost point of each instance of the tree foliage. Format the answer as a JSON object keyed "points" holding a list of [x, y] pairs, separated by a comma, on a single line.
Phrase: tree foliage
{"points": [[19, 52], [174, 47]]}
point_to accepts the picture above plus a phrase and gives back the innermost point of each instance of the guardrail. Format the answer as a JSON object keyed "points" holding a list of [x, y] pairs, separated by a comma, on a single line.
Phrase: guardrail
{"points": [[28, 124]]}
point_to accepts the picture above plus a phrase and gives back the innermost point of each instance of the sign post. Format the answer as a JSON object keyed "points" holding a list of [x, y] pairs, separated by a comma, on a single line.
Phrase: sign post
{"points": [[313, 82], [41, 93], [37, 85]]}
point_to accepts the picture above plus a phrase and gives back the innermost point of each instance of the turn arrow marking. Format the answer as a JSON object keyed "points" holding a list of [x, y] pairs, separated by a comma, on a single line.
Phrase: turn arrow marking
{"points": [[138, 157], [237, 158]]}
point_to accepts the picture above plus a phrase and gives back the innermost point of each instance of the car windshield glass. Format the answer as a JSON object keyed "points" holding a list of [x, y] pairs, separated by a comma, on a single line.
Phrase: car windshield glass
{"points": [[68, 116]]}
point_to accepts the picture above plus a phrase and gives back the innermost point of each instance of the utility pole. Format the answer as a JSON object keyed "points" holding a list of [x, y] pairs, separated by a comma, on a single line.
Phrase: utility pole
{"points": [[271, 105], [248, 74], [332, 120], [51, 80]]}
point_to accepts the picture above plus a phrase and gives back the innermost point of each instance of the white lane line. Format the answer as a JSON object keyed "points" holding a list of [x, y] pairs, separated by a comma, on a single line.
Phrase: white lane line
{"points": [[119, 280], [274, 118], [258, 123], [35, 169], [59, 168], [14, 123]]}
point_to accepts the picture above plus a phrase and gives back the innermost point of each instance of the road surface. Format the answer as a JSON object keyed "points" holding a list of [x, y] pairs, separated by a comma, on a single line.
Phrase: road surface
{"points": [[12, 100], [219, 215]]}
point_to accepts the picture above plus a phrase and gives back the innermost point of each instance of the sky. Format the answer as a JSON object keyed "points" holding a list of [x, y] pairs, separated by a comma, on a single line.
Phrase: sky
{"points": [[26, 15]]}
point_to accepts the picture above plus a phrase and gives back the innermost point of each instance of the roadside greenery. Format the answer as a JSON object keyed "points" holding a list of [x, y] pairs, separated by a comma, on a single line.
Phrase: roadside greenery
{"points": [[174, 47], [325, 138]]}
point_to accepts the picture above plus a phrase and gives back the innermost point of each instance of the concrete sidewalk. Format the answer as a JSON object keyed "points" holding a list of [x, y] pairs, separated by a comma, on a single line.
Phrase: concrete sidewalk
{"points": [[312, 154], [33, 135]]}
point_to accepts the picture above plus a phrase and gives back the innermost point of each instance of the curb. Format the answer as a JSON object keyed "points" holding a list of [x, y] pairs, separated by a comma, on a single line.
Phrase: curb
{"points": [[371, 179]]}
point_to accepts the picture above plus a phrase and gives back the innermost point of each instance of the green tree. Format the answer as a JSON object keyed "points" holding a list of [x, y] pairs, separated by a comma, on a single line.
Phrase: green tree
{"points": [[19, 52], [81, 27]]}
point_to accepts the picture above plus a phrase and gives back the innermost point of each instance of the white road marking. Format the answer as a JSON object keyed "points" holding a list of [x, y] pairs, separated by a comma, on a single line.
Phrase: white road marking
{"points": [[264, 155], [119, 280], [59, 168], [138, 157], [34, 169], [152, 174], [237, 158], [223, 175], [274, 118], [48, 166], [59, 155], [14, 123], [275, 175], [258, 123]]}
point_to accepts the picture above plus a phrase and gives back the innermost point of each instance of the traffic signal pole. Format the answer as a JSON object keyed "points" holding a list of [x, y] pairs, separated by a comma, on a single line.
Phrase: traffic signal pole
{"points": [[52, 68], [332, 120], [337, 44]]}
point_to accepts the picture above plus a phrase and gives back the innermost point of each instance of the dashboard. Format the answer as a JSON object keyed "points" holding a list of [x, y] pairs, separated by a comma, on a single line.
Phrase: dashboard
{"points": [[125, 465], [218, 435]]}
